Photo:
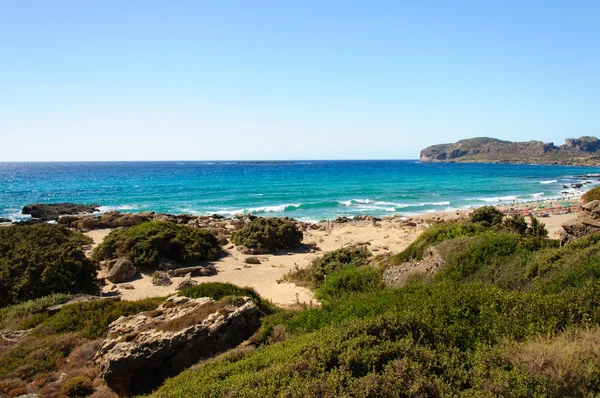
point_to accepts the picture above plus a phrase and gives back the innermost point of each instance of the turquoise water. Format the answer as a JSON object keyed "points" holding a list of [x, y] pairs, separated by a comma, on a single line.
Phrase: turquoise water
{"points": [[305, 190]]}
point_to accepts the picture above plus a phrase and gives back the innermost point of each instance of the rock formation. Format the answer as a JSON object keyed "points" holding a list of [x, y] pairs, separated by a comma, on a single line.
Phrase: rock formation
{"points": [[581, 151], [588, 222], [120, 270], [48, 212], [144, 349], [161, 278]]}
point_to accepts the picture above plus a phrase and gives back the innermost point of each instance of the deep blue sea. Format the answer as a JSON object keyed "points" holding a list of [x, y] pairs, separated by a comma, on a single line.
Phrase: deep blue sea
{"points": [[305, 190]]}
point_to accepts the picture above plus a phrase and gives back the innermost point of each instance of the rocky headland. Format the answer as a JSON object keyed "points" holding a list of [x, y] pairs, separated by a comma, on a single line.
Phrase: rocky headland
{"points": [[575, 151]]}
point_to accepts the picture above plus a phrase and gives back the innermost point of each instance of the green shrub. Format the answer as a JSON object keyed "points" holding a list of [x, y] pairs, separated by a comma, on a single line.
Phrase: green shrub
{"points": [[536, 228], [516, 224], [592, 194], [42, 259], [313, 275], [434, 235], [433, 340], [147, 243], [268, 234], [487, 215], [488, 249], [78, 386], [344, 282]]}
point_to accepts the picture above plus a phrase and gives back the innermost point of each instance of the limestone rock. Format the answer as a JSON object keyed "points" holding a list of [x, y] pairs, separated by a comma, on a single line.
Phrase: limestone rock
{"points": [[587, 223], [187, 282], [53, 211], [126, 286], [194, 271], [252, 260], [120, 270], [160, 278], [142, 350]]}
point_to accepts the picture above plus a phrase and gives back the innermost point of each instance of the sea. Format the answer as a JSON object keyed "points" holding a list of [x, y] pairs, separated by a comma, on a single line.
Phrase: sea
{"points": [[304, 190]]}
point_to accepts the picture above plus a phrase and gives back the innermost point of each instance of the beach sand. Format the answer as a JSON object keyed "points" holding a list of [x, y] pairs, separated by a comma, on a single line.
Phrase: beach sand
{"points": [[387, 236]]}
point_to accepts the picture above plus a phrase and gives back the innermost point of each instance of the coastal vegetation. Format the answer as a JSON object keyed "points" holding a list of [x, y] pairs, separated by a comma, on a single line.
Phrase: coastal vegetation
{"points": [[42, 259], [314, 275], [264, 235], [62, 342], [149, 243], [510, 313], [592, 194]]}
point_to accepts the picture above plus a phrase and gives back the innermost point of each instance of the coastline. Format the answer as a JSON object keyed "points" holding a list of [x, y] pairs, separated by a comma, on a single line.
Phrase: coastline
{"points": [[382, 236]]}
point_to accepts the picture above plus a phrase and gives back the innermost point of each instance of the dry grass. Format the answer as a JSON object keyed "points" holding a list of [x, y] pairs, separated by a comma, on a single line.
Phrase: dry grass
{"points": [[566, 360], [192, 318]]}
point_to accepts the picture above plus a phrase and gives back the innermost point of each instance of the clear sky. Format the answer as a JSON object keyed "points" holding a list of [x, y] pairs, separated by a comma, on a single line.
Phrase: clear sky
{"points": [[160, 80]]}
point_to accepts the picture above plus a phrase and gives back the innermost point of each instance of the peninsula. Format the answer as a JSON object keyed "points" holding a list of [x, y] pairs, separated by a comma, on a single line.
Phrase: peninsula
{"points": [[575, 151]]}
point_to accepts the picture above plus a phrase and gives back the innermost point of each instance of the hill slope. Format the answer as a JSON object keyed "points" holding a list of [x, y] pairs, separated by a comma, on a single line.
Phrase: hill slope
{"points": [[577, 151]]}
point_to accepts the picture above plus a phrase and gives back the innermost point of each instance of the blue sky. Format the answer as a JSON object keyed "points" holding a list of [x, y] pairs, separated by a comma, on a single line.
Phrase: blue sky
{"points": [[134, 80]]}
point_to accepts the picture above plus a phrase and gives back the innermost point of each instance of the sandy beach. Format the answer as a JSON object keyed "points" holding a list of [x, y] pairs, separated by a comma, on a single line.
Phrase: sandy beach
{"points": [[381, 236]]}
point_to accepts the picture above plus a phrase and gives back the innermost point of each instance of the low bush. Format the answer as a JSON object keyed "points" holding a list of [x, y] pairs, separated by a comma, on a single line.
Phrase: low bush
{"points": [[434, 235], [42, 259], [340, 284], [78, 386], [489, 249], [264, 235], [313, 275], [146, 244], [487, 215], [592, 194]]}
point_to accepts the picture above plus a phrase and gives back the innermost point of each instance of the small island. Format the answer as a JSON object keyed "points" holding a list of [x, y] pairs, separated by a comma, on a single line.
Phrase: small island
{"points": [[583, 151]]}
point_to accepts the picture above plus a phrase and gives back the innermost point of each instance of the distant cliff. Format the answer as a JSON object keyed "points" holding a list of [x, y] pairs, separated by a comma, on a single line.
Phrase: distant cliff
{"points": [[575, 151]]}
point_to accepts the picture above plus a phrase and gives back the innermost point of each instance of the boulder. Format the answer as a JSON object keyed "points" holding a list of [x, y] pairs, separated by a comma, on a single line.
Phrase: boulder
{"points": [[187, 282], [120, 270], [160, 278], [126, 286], [5, 220], [252, 260], [587, 223], [194, 271], [142, 350], [53, 211]]}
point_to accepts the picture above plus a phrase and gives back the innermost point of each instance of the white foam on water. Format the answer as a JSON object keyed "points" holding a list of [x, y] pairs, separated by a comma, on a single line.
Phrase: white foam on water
{"points": [[104, 209], [548, 182], [258, 210], [497, 199]]}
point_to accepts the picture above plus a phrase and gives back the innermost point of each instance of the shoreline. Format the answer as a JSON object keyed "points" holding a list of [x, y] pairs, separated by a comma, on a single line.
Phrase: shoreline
{"points": [[382, 236]]}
